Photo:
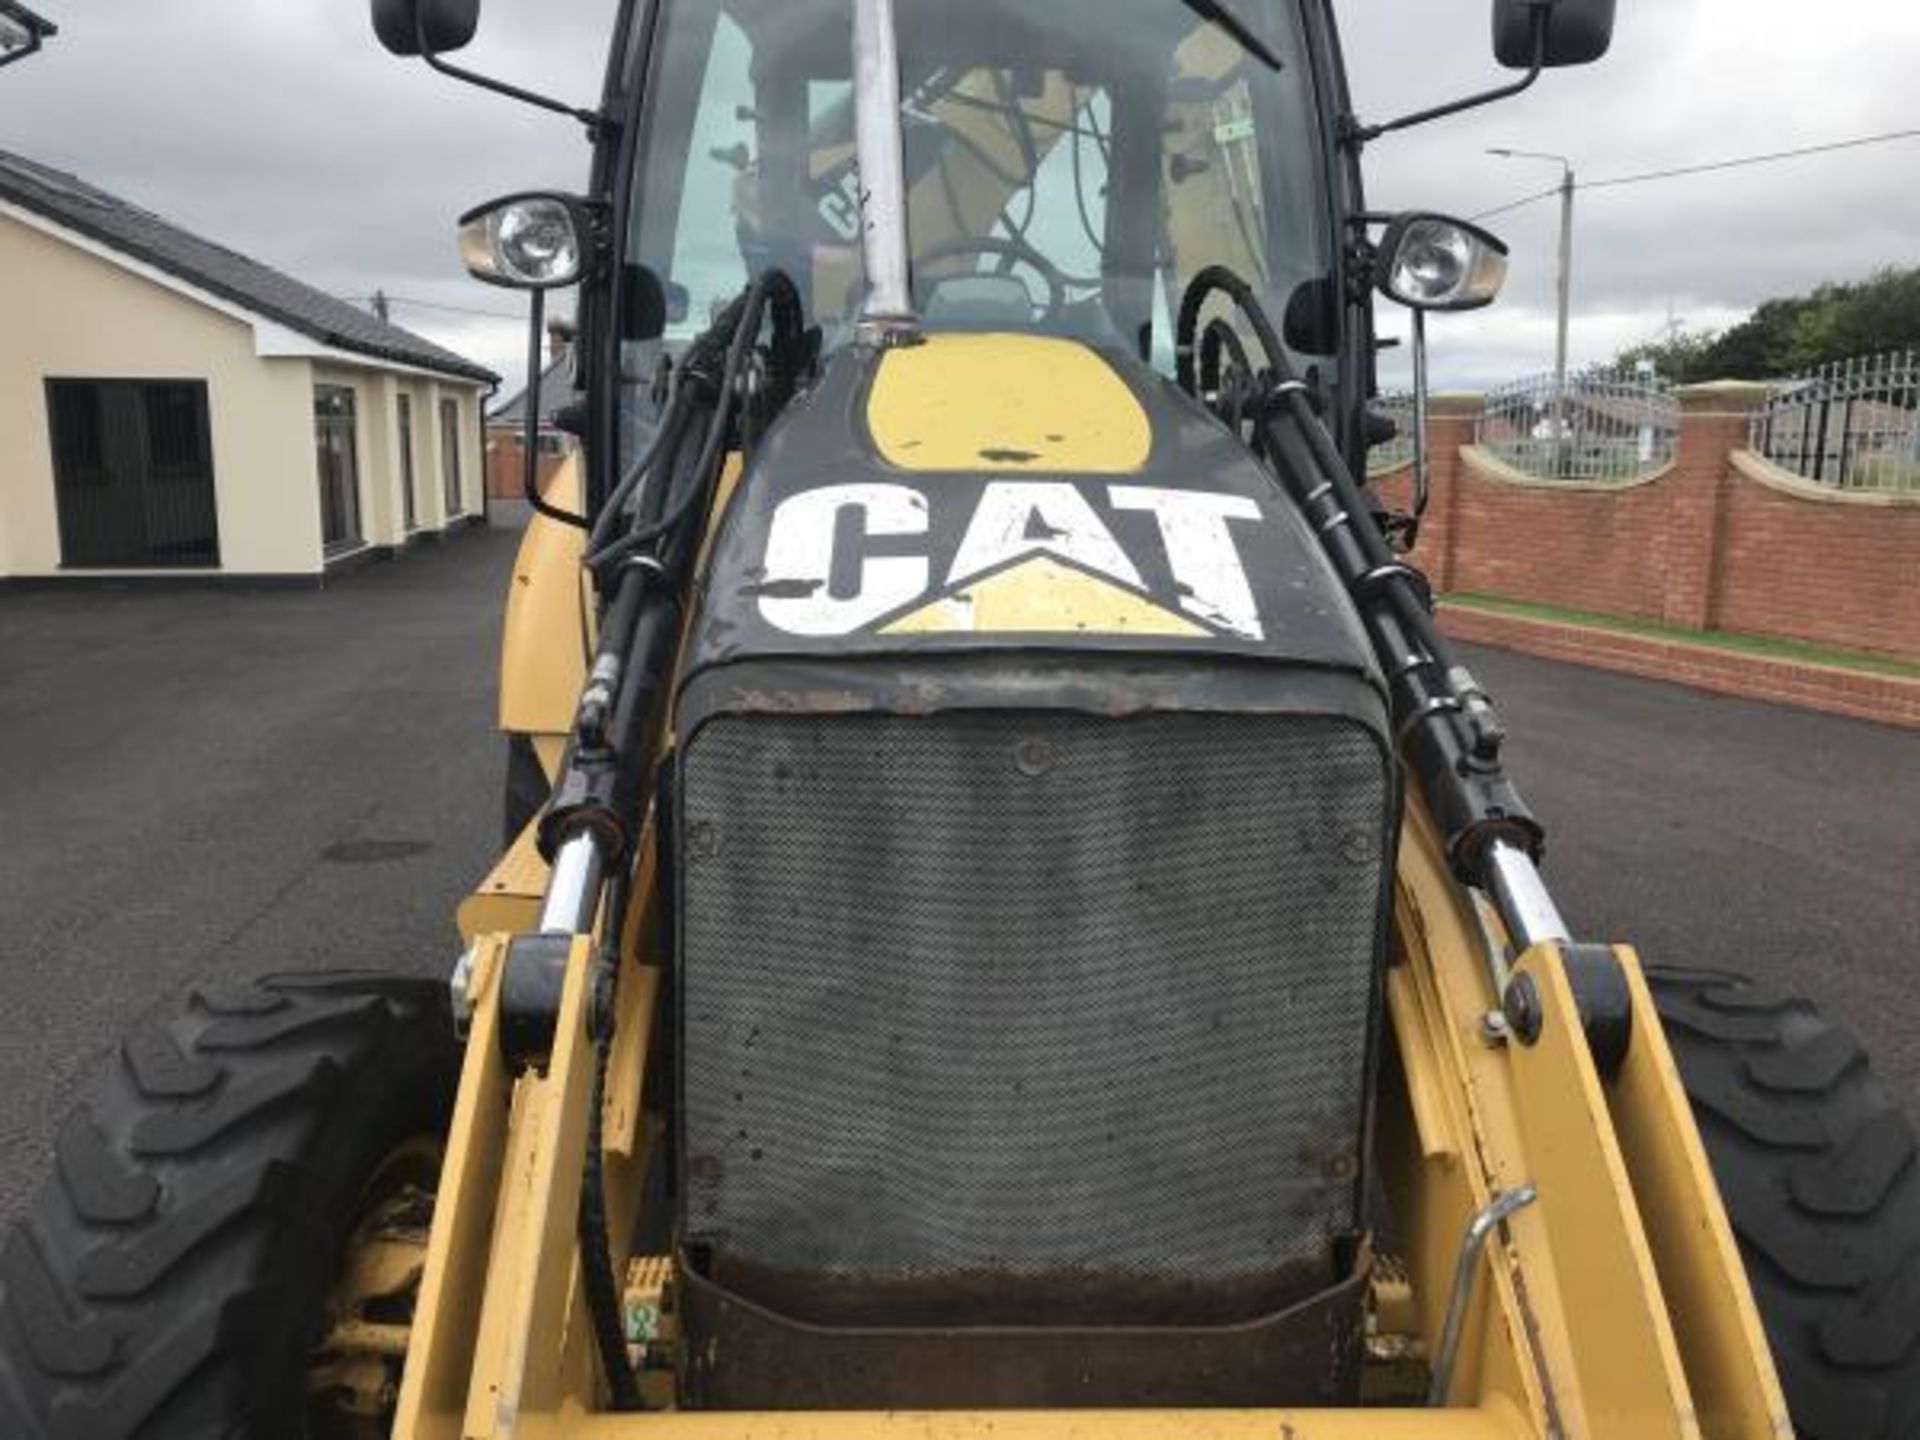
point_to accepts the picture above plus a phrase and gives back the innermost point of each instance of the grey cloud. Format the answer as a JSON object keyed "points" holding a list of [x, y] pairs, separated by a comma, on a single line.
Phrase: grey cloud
{"points": [[283, 130], [1688, 81], [279, 127]]}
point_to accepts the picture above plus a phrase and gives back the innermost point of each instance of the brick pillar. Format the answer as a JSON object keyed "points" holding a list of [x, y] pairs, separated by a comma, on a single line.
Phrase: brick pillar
{"points": [[1451, 419], [1714, 421]]}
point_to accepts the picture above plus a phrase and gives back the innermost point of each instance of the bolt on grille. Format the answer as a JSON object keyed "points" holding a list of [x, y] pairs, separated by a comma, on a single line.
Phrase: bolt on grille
{"points": [[1010, 1004]]}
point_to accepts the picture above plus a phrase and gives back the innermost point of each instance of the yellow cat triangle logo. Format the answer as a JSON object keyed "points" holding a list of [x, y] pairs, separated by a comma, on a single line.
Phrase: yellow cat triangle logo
{"points": [[1041, 596]]}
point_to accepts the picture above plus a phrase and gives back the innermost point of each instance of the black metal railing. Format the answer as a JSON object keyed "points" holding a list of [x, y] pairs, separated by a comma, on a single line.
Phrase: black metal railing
{"points": [[1602, 427], [1852, 425]]}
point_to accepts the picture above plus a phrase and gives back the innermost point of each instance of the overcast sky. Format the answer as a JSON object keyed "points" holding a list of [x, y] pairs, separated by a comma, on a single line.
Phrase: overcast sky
{"points": [[280, 128]]}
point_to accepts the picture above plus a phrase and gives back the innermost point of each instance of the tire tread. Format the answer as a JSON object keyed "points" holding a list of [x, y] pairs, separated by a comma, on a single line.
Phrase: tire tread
{"points": [[1816, 1167], [167, 1278]]}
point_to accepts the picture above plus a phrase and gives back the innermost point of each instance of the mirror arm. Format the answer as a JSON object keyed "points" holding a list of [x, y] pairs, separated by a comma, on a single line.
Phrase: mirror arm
{"points": [[1354, 135], [598, 123], [1422, 457], [530, 433]]}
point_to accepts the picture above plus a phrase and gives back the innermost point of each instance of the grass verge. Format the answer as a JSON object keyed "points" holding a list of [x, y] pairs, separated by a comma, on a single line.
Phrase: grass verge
{"points": [[1763, 645]]}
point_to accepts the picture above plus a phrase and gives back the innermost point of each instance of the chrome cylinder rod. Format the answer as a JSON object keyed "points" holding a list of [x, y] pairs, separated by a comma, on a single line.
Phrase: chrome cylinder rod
{"points": [[573, 889], [1521, 897], [887, 314], [1466, 1272]]}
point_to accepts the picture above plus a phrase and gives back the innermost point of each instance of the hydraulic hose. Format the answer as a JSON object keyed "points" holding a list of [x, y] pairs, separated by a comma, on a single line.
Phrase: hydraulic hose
{"points": [[597, 1274], [673, 421], [1450, 735], [601, 795], [738, 328]]}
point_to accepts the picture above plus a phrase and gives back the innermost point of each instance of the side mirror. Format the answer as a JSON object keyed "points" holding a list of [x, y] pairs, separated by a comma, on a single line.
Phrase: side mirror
{"points": [[1433, 262], [532, 241], [648, 305], [443, 25], [1577, 32], [21, 32]]}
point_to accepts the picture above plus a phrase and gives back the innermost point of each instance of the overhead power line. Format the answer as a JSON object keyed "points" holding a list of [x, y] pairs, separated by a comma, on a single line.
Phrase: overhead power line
{"points": [[1515, 204], [457, 309], [1746, 160], [1709, 167], [436, 305]]}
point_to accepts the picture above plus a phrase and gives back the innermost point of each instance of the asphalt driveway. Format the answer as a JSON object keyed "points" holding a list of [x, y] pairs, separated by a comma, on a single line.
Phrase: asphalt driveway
{"points": [[224, 783], [1728, 834], [219, 782]]}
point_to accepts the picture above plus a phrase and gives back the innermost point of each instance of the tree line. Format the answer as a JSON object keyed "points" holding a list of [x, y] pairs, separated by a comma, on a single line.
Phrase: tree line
{"points": [[1792, 336]]}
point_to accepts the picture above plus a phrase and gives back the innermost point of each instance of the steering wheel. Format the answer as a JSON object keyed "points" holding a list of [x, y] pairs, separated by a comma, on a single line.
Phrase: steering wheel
{"points": [[1012, 252]]}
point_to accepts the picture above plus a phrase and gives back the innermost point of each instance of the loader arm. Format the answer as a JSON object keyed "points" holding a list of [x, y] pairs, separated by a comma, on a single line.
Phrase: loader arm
{"points": [[1614, 1308]]}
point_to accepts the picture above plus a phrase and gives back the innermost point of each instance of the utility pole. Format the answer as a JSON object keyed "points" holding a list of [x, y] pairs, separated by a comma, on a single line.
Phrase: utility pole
{"points": [[1565, 286], [380, 305], [1566, 314]]}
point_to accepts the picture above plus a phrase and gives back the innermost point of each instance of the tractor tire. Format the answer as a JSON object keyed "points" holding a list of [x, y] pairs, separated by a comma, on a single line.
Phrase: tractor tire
{"points": [[527, 787], [1816, 1167], [172, 1277]]}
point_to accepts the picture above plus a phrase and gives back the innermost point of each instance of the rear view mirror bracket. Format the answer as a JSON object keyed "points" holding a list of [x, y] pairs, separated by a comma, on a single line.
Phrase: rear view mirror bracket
{"points": [[1529, 35], [1354, 135], [431, 28]]}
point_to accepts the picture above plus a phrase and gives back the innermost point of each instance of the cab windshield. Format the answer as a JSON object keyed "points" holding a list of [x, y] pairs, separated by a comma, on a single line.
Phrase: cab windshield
{"points": [[1070, 164]]}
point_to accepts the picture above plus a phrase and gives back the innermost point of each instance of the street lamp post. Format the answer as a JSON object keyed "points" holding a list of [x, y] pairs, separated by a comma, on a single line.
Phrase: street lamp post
{"points": [[1567, 187], [21, 31]]}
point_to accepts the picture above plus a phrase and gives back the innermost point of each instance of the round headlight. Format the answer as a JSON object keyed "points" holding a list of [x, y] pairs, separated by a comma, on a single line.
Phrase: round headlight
{"points": [[1433, 263], [532, 242], [536, 241]]}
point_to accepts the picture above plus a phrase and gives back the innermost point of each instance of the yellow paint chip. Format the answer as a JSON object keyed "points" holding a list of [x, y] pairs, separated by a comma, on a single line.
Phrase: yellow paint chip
{"points": [[1042, 596], [1006, 403]]}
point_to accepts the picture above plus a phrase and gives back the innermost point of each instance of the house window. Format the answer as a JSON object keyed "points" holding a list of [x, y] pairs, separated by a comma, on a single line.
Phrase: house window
{"points": [[133, 474], [176, 427], [336, 446], [450, 455], [404, 423]]}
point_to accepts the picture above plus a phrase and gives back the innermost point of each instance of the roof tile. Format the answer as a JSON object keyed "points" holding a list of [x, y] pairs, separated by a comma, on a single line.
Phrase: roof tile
{"points": [[75, 205]]}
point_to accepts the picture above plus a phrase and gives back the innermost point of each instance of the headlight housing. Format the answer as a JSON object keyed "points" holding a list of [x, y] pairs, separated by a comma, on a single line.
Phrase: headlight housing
{"points": [[536, 241], [1433, 262]]}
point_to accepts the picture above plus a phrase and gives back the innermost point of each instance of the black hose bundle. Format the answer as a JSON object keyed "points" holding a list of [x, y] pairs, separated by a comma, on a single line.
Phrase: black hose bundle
{"points": [[710, 377], [597, 1274], [643, 571], [1452, 739]]}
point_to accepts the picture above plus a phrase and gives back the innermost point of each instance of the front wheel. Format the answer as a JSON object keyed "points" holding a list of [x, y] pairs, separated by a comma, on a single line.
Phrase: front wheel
{"points": [[250, 1180], [1816, 1167]]}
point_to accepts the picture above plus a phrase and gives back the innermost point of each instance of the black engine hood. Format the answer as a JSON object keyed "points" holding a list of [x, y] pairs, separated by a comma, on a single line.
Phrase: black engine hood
{"points": [[989, 494]]}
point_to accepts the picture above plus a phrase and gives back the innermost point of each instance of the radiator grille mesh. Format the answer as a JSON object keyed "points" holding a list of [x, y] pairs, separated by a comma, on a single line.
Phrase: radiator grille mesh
{"points": [[1024, 994]]}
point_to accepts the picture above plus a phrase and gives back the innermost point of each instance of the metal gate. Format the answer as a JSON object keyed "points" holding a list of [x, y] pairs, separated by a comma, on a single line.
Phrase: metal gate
{"points": [[1852, 425], [133, 474]]}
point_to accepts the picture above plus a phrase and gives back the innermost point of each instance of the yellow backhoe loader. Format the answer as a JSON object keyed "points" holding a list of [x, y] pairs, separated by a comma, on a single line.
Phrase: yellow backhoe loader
{"points": [[1014, 924]]}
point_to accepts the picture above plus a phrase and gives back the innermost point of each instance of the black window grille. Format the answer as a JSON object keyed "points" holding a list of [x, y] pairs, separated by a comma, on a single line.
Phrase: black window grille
{"points": [[336, 448], [404, 423], [133, 474], [450, 455]]}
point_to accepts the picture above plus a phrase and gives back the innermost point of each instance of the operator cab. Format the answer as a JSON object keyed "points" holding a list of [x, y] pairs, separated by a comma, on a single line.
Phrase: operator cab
{"points": [[1069, 169]]}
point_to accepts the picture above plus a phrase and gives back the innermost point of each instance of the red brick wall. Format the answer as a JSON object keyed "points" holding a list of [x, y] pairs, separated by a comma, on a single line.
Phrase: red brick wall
{"points": [[1704, 546], [1450, 421], [1583, 550], [1829, 573], [505, 475], [1888, 699]]}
